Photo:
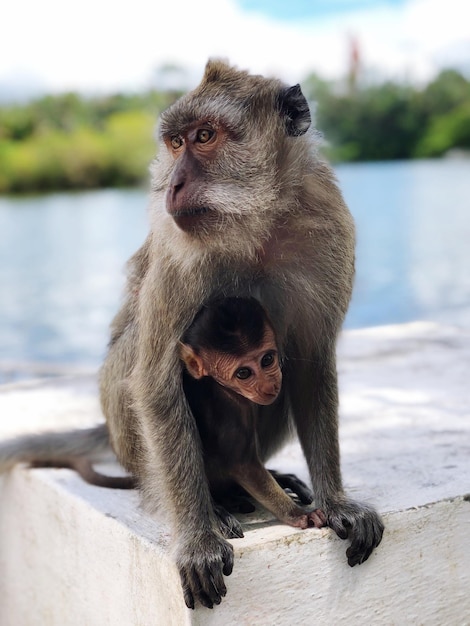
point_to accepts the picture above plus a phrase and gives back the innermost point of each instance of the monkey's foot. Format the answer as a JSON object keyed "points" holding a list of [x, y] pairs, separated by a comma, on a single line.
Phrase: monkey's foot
{"points": [[202, 563], [228, 525], [357, 522], [295, 485]]}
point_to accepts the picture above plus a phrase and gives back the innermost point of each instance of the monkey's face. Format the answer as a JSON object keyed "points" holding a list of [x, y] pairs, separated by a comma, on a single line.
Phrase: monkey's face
{"points": [[221, 149], [192, 149], [255, 375]]}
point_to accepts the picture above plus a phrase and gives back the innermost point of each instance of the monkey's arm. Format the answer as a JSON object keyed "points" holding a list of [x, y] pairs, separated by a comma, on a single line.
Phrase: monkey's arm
{"points": [[314, 397], [172, 469], [172, 447], [259, 483]]}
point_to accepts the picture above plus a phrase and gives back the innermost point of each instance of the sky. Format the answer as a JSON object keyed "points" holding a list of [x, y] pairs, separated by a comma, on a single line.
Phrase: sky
{"points": [[102, 46]]}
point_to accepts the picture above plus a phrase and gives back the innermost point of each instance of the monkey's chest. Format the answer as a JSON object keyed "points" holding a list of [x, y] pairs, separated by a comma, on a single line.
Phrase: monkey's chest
{"points": [[228, 436]]}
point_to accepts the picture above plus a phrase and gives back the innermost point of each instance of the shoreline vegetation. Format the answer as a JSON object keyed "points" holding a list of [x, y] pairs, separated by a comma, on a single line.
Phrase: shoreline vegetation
{"points": [[68, 141]]}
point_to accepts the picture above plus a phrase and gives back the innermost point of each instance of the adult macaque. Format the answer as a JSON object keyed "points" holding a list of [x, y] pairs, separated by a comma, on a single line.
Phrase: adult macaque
{"points": [[242, 205], [232, 365]]}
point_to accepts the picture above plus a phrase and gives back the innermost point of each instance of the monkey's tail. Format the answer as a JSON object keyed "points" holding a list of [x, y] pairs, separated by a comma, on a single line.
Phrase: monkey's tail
{"points": [[93, 442]]}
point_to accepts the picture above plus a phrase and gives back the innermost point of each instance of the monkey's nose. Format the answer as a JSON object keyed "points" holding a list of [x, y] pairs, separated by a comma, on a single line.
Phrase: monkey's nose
{"points": [[270, 389], [176, 188]]}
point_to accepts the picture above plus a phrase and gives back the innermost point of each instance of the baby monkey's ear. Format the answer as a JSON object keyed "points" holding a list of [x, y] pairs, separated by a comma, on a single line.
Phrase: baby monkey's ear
{"points": [[192, 361]]}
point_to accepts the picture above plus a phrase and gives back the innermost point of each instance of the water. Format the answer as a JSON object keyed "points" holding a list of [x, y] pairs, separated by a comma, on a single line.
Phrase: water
{"points": [[413, 252], [62, 262], [62, 258]]}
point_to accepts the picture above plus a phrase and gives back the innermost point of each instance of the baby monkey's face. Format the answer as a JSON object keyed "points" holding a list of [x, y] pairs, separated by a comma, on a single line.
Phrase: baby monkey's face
{"points": [[256, 374]]}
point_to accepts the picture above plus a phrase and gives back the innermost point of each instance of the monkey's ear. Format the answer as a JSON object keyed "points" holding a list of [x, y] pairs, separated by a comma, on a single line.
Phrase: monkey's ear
{"points": [[294, 109], [193, 361]]}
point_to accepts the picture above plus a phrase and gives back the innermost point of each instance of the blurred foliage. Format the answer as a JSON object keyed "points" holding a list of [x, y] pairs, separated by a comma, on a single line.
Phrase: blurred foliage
{"points": [[391, 120], [68, 141]]}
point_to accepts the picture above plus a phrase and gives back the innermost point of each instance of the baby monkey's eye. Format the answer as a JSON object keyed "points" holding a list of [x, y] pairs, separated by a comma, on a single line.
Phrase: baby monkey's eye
{"points": [[176, 142], [204, 135], [243, 373], [267, 359]]}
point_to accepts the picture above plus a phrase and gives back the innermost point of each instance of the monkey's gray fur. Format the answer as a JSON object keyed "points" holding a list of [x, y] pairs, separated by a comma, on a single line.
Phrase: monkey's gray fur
{"points": [[264, 218]]}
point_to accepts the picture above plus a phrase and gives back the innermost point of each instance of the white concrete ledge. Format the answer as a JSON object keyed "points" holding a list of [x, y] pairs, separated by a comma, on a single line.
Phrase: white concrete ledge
{"points": [[76, 555]]}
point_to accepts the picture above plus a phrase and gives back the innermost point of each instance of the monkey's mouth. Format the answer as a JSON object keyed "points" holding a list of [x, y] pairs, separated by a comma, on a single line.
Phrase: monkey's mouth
{"points": [[189, 219], [267, 399], [190, 212]]}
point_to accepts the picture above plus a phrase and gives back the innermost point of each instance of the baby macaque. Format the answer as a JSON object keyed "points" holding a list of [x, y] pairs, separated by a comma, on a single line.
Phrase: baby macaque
{"points": [[232, 367]]}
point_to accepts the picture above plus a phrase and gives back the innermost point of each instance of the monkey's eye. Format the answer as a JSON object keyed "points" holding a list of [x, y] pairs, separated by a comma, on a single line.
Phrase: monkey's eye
{"points": [[243, 373], [267, 359], [204, 135], [176, 142]]}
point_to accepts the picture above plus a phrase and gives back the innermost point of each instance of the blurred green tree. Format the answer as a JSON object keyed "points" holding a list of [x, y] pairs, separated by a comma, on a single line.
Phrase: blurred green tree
{"points": [[70, 141], [391, 120]]}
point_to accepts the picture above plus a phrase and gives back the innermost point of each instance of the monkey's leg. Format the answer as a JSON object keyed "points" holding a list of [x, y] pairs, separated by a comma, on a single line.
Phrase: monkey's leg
{"points": [[314, 396], [294, 484], [165, 451], [256, 479], [85, 469]]}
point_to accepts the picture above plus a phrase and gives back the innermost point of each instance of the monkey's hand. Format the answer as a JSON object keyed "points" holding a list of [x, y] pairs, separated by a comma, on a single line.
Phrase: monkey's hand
{"points": [[306, 519], [359, 523], [201, 561], [294, 484]]}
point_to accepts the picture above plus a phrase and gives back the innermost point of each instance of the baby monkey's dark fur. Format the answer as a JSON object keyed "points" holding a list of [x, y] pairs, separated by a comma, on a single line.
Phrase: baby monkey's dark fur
{"points": [[237, 328]]}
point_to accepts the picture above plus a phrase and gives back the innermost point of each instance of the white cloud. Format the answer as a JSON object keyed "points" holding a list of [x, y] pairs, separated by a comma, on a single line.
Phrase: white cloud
{"points": [[103, 45]]}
